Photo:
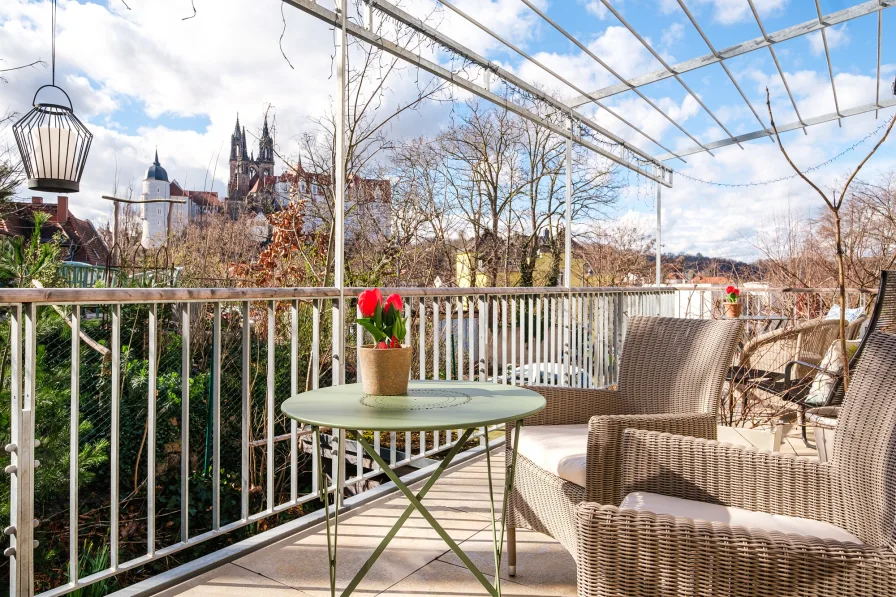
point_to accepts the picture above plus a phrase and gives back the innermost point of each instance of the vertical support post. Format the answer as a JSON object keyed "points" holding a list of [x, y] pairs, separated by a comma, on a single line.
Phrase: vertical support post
{"points": [[185, 424], [293, 390], [339, 199], [151, 431], [114, 439], [269, 418], [74, 445], [567, 266], [659, 233], [216, 418], [244, 424]]}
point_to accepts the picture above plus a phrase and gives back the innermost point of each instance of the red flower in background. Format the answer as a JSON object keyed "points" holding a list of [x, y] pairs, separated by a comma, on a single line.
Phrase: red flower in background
{"points": [[730, 289], [395, 301], [737, 291], [368, 300]]}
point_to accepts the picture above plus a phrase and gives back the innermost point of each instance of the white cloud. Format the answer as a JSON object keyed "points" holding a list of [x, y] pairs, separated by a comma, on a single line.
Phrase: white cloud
{"points": [[728, 12], [596, 8], [673, 34], [837, 37]]}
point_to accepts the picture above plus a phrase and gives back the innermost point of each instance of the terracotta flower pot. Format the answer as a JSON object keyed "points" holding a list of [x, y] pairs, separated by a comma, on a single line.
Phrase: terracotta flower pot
{"points": [[732, 309], [385, 371]]}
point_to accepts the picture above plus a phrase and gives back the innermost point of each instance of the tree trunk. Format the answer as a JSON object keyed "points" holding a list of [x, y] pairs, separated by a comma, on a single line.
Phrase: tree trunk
{"points": [[841, 281]]}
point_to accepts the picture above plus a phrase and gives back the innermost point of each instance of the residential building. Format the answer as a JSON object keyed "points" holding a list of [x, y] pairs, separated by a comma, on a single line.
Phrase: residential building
{"points": [[80, 239]]}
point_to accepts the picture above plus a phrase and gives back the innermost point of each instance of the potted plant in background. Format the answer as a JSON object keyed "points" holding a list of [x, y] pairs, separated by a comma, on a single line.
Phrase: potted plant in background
{"points": [[732, 301], [386, 364]]}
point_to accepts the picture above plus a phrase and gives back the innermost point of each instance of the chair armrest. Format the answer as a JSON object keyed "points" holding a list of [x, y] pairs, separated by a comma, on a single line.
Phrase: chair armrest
{"points": [[629, 552], [570, 406], [712, 472], [603, 465]]}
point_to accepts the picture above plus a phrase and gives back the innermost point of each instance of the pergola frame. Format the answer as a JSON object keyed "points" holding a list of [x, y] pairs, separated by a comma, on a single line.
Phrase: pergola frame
{"points": [[657, 171]]}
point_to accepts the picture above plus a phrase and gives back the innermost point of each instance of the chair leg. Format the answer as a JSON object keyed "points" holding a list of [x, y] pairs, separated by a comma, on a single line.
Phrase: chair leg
{"points": [[803, 426], [511, 550]]}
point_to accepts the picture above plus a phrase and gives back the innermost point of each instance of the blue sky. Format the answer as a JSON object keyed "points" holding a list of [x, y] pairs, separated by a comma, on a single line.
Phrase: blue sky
{"points": [[145, 77]]}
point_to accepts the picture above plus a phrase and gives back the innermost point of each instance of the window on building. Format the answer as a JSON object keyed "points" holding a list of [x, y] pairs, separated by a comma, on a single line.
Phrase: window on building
{"points": [[158, 211]]}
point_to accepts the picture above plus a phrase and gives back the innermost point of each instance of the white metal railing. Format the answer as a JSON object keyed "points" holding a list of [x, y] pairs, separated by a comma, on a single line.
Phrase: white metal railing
{"points": [[116, 361]]}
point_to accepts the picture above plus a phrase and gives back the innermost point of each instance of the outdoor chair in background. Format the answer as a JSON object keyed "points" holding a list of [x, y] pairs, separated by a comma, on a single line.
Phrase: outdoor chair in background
{"points": [[761, 371], [703, 518], [826, 390], [671, 376]]}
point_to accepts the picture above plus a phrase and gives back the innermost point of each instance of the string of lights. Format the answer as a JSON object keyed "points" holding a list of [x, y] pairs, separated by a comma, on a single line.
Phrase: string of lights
{"points": [[790, 176]]}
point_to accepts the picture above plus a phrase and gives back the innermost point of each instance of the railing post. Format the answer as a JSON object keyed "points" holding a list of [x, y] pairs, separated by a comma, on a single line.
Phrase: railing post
{"points": [[618, 333], [21, 449]]}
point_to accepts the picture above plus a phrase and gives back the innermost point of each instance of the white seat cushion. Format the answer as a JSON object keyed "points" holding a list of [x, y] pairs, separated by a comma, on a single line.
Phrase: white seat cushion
{"points": [[664, 504], [558, 449]]}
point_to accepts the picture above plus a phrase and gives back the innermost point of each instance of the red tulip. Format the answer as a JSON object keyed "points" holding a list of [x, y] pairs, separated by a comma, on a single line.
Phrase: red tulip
{"points": [[368, 300], [737, 291], [382, 344], [395, 343], [395, 301], [730, 289]]}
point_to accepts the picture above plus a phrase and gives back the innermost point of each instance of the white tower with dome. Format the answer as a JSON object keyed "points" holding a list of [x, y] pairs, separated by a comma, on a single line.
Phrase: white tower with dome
{"points": [[155, 215]]}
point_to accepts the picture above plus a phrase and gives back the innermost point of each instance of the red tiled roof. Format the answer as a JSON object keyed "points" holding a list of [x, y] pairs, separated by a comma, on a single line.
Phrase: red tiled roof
{"points": [[203, 198], [79, 236]]}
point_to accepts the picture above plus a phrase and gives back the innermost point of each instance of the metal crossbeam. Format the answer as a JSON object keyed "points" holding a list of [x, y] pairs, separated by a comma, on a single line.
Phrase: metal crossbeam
{"points": [[418, 25], [721, 62], [771, 51], [659, 59], [551, 72], [834, 18], [610, 69], [333, 19], [827, 55], [791, 126]]}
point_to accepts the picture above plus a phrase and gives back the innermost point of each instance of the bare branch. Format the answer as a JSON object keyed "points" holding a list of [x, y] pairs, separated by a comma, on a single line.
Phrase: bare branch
{"points": [[193, 4], [282, 33]]}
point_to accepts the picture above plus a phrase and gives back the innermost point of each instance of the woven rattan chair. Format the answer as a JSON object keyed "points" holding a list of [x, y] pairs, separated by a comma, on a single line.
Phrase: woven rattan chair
{"points": [[671, 376], [781, 364], [842, 544]]}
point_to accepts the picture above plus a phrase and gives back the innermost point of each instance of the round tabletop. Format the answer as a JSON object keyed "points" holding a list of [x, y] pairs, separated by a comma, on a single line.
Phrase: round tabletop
{"points": [[428, 406]]}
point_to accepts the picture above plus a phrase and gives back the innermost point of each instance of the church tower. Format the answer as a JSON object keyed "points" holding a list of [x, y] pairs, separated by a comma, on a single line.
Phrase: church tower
{"points": [[246, 169], [266, 151], [240, 165]]}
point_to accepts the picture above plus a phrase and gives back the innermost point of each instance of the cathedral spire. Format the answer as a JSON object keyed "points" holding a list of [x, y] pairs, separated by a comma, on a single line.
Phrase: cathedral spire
{"points": [[243, 152], [156, 162], [236, 128]]}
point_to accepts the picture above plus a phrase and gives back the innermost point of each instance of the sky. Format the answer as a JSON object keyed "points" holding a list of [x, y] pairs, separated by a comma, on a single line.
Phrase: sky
{"points": [[143, 75]]}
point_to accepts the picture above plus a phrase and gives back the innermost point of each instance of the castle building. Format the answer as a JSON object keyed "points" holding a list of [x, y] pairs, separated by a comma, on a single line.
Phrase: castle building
{"points": [[161, 218], [246, 169]]}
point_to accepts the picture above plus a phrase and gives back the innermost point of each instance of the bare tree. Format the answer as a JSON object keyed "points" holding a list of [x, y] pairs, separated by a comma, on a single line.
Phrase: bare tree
{"points": [[834, 204]]}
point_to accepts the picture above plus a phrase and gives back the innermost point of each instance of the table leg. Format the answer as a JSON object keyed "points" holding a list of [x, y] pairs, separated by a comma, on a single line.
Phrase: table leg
{"points": [[509, 470], [406, 514], [324, 495], [429, 518]]}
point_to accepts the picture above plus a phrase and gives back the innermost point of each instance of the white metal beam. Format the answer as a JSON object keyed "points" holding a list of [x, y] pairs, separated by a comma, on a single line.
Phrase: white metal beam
{"points": [[339, 202], [455, 46], [328, 16], [660, 59], [827, 55], [834, 18], [551, 72], [609, 69], [791, 126]]}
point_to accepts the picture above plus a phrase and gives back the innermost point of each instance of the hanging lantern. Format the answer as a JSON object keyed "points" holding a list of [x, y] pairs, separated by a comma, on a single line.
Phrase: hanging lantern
{"points": [[52, 141], [54, 146]]}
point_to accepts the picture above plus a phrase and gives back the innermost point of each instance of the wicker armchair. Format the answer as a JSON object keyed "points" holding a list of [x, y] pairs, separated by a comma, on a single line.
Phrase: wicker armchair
{"points": [[780, 364], [671, 376], [842, 543]]}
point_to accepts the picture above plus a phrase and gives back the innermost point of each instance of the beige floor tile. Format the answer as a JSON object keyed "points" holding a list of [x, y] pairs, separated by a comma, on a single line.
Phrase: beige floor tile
{"points": [[302, 563], [230, 581], [541, 562], [440, 579]]}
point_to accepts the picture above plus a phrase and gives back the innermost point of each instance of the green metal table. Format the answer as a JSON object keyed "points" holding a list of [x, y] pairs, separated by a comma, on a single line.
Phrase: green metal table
{"points": [[428, 406]]}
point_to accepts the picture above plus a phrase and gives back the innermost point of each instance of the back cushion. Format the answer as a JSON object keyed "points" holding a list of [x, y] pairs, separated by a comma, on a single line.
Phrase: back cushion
{"points": [[676, 365]]}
